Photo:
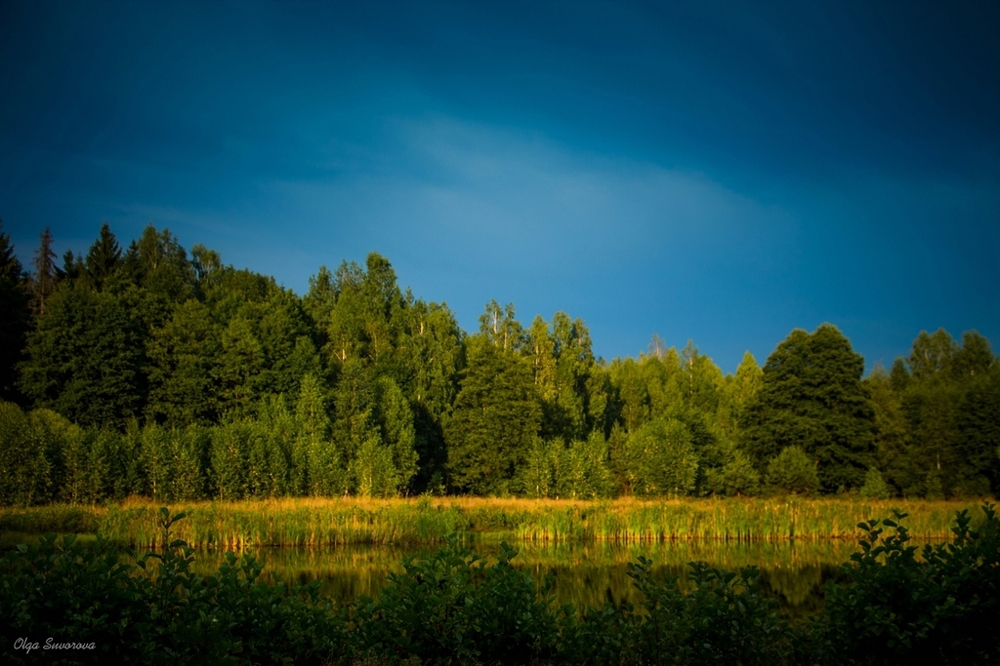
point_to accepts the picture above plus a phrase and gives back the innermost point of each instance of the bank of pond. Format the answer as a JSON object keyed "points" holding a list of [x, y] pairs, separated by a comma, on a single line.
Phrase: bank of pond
{"points": [[469, 599], [428, 520]]}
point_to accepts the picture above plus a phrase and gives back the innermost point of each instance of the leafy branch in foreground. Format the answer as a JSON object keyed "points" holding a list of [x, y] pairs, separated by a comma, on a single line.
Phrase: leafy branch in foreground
{"points": [[896, 608]]}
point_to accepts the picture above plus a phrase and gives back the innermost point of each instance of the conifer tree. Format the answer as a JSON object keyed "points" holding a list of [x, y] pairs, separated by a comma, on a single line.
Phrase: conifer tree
{"points": [[104, 257], [45, 278], [15, 305], [494, 421]]}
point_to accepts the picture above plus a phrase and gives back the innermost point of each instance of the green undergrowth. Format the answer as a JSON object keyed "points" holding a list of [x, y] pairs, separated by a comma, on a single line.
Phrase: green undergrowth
{"points": [[893, 605]]}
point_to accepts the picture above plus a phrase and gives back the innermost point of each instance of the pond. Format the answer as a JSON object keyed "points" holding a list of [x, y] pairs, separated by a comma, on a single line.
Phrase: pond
{"points": [[585, 573]]}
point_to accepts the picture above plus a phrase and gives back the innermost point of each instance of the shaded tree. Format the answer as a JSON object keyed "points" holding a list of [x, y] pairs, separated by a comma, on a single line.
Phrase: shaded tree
{"points": [[104, 258], [45, 278], [86, 357], [811, 396], [495, 418], [15, 302]]}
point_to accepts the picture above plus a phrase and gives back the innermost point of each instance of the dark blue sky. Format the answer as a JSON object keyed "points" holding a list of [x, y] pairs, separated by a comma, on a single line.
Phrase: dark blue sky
{"points": [[716, 171]]}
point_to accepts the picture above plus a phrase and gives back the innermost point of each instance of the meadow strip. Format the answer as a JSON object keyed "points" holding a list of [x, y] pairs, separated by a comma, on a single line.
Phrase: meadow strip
{"points": [[330, 522]]}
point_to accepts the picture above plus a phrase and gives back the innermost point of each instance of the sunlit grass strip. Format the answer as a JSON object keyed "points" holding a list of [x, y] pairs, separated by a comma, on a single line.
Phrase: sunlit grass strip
{"points": [[326, 522]]}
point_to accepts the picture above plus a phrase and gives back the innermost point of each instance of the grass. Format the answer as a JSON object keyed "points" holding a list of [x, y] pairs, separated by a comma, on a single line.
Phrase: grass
{"points": [[326, 522]]}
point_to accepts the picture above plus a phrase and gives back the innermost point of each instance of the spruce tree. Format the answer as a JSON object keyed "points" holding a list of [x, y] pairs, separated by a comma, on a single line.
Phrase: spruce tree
{"points": [[495, 419]]}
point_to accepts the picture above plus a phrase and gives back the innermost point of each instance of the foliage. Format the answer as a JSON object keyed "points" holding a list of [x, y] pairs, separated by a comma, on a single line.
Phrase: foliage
{"points": [[812, 397], [153, 609], [875, 486], [895, 608], [660, 459], [793, 472], [452, 608], [402, 401], [495, 418]]}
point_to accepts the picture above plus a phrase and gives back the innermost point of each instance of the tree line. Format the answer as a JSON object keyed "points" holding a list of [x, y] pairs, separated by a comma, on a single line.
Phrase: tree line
{"points": [[151, 370]]}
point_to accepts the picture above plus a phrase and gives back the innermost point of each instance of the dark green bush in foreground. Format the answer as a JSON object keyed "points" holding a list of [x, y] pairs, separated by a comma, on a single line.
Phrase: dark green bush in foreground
{"points": [[453, 608]]}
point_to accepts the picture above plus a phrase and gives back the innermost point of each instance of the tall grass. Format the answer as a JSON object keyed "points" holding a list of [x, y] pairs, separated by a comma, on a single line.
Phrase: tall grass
{"points": [[326, 522]]}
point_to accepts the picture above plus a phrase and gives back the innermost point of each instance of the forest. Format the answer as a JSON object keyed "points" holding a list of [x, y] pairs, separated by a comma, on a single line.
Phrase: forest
{"points": [[150, 370]]}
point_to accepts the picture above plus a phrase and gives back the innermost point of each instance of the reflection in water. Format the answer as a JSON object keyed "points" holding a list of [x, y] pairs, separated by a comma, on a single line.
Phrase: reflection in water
{"points": [[585, 573]]}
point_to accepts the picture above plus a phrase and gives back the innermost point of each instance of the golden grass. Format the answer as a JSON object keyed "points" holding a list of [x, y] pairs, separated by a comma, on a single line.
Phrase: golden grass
{"points": [[331, 521]]}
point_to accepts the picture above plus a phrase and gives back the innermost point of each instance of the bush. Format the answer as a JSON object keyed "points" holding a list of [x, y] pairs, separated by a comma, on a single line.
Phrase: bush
{"points": [[451, 608], [896, 609], [791, 471], [153, 610], [875, 486]]}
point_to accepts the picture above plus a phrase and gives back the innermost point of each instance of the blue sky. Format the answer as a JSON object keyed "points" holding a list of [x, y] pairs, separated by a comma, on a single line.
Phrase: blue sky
{"points": [[716, 171]]}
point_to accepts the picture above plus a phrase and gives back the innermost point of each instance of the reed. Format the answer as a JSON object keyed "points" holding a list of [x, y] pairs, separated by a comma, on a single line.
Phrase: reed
{"points": [[326, 522]]}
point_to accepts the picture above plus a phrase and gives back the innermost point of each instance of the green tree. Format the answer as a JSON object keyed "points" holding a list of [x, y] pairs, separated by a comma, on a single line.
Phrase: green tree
{"points": [[397, 431], [875, 486], [86, 357], [891, 431], [494, 421], [182, 367], [932, 354], [26, 470], [318, 466], [229, 456], [15, 302], [240, 364], [736, 475], [792, 471], [45, 278], [432, 357], [536, 473], [660, 459], [500, 328], [812, 397], [157, 263], [978, 443], [104, 258], [581, 469]]}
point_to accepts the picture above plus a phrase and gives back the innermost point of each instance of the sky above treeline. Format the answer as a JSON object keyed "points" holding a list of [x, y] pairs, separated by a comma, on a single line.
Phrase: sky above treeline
{"points": [[722, 172]]}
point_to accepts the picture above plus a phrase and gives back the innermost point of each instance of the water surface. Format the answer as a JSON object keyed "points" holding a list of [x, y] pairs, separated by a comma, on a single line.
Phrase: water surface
{"points": [[585, 573]]}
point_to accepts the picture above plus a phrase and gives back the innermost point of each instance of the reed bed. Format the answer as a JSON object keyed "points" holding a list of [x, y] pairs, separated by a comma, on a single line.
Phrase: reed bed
{"points": [[328, 522]]}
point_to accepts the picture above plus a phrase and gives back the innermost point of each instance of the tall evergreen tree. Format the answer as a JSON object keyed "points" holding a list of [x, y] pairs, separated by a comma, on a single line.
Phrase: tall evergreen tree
{"points": [[812, 397], [86, 357], [15, 305], [104, 257], [495, 418], [45, 278]]}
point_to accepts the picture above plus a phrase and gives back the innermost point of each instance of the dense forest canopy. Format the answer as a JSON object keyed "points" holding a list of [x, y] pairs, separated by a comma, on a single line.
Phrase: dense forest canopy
{"points": [[153, 370]]}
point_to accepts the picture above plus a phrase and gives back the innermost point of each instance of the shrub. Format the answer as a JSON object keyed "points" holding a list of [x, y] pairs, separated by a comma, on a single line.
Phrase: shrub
{"points": [[897, 609], [792, 471], [452, 608], [153, 610], [875, 486]]}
